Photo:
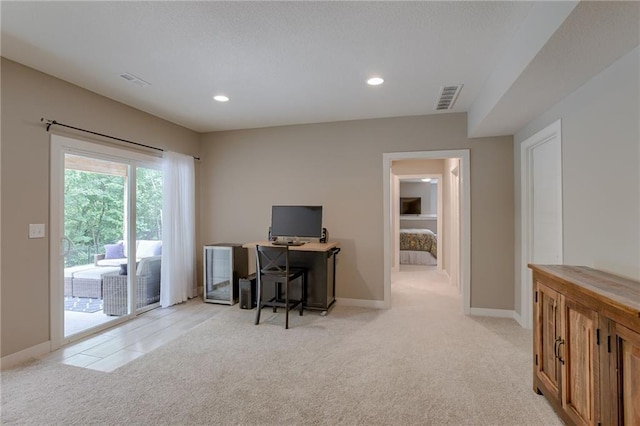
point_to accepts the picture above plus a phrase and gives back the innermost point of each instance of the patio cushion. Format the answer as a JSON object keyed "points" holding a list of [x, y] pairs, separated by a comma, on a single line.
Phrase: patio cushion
{"points": [[147, 248], [144, 249], [68, 272], [111, 262], [95, 273], [114, 251]]}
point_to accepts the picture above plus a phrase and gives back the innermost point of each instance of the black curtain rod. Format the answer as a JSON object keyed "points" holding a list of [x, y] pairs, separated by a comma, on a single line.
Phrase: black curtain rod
{"points": [[55, 123]]}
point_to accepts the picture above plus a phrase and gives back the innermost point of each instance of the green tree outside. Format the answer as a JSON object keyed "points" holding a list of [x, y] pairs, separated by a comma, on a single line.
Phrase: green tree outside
{"points": [[94, 211], [149, 204]]}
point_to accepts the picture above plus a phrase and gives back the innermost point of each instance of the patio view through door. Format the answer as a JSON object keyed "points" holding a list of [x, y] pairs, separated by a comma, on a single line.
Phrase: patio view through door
{"points": [[107, 274]]}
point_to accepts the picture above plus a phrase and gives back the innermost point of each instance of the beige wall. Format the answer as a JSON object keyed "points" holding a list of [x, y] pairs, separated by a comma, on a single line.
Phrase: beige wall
{"points": [[417, 167], [28, 95], [600, 171], [339, 165]]}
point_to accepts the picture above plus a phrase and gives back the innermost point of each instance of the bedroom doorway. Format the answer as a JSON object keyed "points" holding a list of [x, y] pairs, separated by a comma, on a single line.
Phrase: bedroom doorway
{"points": [[419, 220], [453, 245]]}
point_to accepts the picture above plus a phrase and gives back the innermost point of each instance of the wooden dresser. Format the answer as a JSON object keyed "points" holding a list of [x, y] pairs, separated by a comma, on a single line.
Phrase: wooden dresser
{"points": [[586, 344]]}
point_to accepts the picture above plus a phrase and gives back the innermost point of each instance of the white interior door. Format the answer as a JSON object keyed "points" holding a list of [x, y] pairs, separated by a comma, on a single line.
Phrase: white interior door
{"points": [[541, 186], [546, 203]]}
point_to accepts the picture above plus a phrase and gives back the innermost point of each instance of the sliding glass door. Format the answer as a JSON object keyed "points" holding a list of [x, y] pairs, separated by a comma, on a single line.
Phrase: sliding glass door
{"points": [[106, 241], [148, 237], [95, 193]]}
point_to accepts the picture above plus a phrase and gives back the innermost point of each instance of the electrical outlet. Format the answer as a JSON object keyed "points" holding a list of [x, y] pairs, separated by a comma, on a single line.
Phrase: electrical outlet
{"points": [[36, 230]]}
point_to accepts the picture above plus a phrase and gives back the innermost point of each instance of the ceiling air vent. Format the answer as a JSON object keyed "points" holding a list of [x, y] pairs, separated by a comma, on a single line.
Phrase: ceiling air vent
{"points": [[448, 96], [135, 80]]}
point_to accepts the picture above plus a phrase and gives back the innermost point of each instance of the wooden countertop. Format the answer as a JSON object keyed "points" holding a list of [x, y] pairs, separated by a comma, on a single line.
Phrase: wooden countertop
{"points": [[623, 292], [304, 247]]}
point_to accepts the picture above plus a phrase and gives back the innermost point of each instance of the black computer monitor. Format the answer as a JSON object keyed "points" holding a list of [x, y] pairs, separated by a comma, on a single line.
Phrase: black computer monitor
{"points": [[296, 221]]}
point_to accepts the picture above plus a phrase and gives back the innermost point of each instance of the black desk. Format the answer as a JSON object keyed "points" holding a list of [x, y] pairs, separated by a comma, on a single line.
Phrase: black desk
{"points": [[320, 261]]}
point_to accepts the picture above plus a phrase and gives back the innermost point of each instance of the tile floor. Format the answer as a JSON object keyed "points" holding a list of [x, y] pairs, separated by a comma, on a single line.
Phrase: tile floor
{"points": [[115, 347], [76, 322]]}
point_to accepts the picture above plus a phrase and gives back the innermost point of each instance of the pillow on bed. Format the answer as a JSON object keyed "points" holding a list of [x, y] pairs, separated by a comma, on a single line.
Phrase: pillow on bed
{"points": [[114, 251]]}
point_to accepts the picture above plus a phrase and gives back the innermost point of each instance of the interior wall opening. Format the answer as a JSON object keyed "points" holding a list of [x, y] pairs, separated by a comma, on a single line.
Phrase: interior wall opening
{"points": [[427, 218]]}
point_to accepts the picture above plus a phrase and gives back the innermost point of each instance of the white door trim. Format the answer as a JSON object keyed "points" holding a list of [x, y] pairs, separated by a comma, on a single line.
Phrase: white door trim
{"points": [[465, 222], [395, 214], [55, 241], [549, 133]]}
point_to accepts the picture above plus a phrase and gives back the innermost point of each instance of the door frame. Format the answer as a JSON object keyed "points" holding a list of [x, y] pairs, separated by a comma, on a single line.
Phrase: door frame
{"points": [[550, 133], [61, 145], [396, 216], [465, 217], [454, 204]]}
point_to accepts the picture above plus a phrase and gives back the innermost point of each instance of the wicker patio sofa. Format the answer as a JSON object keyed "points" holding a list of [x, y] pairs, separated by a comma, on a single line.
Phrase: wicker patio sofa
{"points": [[114, 287], [116, 254], [68, 277], [88, 282]]}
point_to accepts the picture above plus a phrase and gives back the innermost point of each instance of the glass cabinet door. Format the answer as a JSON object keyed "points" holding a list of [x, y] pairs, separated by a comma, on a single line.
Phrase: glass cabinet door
{"points": [[218, 274]]}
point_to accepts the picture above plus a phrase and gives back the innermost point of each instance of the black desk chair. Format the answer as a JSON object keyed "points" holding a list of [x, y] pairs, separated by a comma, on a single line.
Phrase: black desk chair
{"points": [[272, 263]]}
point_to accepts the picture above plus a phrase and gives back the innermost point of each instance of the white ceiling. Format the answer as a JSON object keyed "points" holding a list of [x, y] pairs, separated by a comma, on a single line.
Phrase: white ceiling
{"points": [[305, 62]]}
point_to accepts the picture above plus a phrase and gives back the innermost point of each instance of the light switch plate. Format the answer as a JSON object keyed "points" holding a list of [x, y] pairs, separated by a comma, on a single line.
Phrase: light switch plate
{"points": [[36, 230]]}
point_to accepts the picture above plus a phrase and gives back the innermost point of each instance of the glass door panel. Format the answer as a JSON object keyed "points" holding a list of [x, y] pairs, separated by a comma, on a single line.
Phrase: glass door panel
{"points": [[218, 274], [95, 194], [148, 237]]}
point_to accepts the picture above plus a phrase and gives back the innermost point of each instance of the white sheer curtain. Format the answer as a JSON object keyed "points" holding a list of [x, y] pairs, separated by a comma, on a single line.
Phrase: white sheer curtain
{"points": [[178, 273]]}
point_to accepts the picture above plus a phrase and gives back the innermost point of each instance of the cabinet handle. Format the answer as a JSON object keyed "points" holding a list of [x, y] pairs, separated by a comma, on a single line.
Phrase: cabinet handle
{"points": [[555, 347], [561, 342]]}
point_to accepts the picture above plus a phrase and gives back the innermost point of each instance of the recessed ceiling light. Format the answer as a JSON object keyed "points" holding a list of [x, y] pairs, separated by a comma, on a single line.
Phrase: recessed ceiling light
{"points": [[426, 180], [221, 98], [375, 81]]}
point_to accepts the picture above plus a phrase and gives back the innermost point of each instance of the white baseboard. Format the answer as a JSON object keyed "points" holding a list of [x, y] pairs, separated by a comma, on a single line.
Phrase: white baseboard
{"points": [[518, 318], [496, 313], [12, 360], [361, 303]]}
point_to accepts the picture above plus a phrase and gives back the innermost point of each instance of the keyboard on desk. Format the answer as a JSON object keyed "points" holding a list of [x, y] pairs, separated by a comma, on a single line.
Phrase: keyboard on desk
{"points": [[287, 243]]}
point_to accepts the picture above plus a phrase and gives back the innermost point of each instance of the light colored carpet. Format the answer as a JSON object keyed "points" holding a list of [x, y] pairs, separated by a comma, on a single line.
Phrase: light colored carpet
{"points": [[420, 362]]}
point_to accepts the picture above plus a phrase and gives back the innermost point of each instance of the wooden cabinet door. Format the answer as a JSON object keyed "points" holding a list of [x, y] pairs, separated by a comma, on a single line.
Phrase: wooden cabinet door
{"points": [[547, 328], [578, 355], [627, 351]]}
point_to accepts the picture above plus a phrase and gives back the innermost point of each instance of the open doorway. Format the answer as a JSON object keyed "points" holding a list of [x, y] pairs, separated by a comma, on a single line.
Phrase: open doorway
{"points": [[451, 169], [419, 221]]}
